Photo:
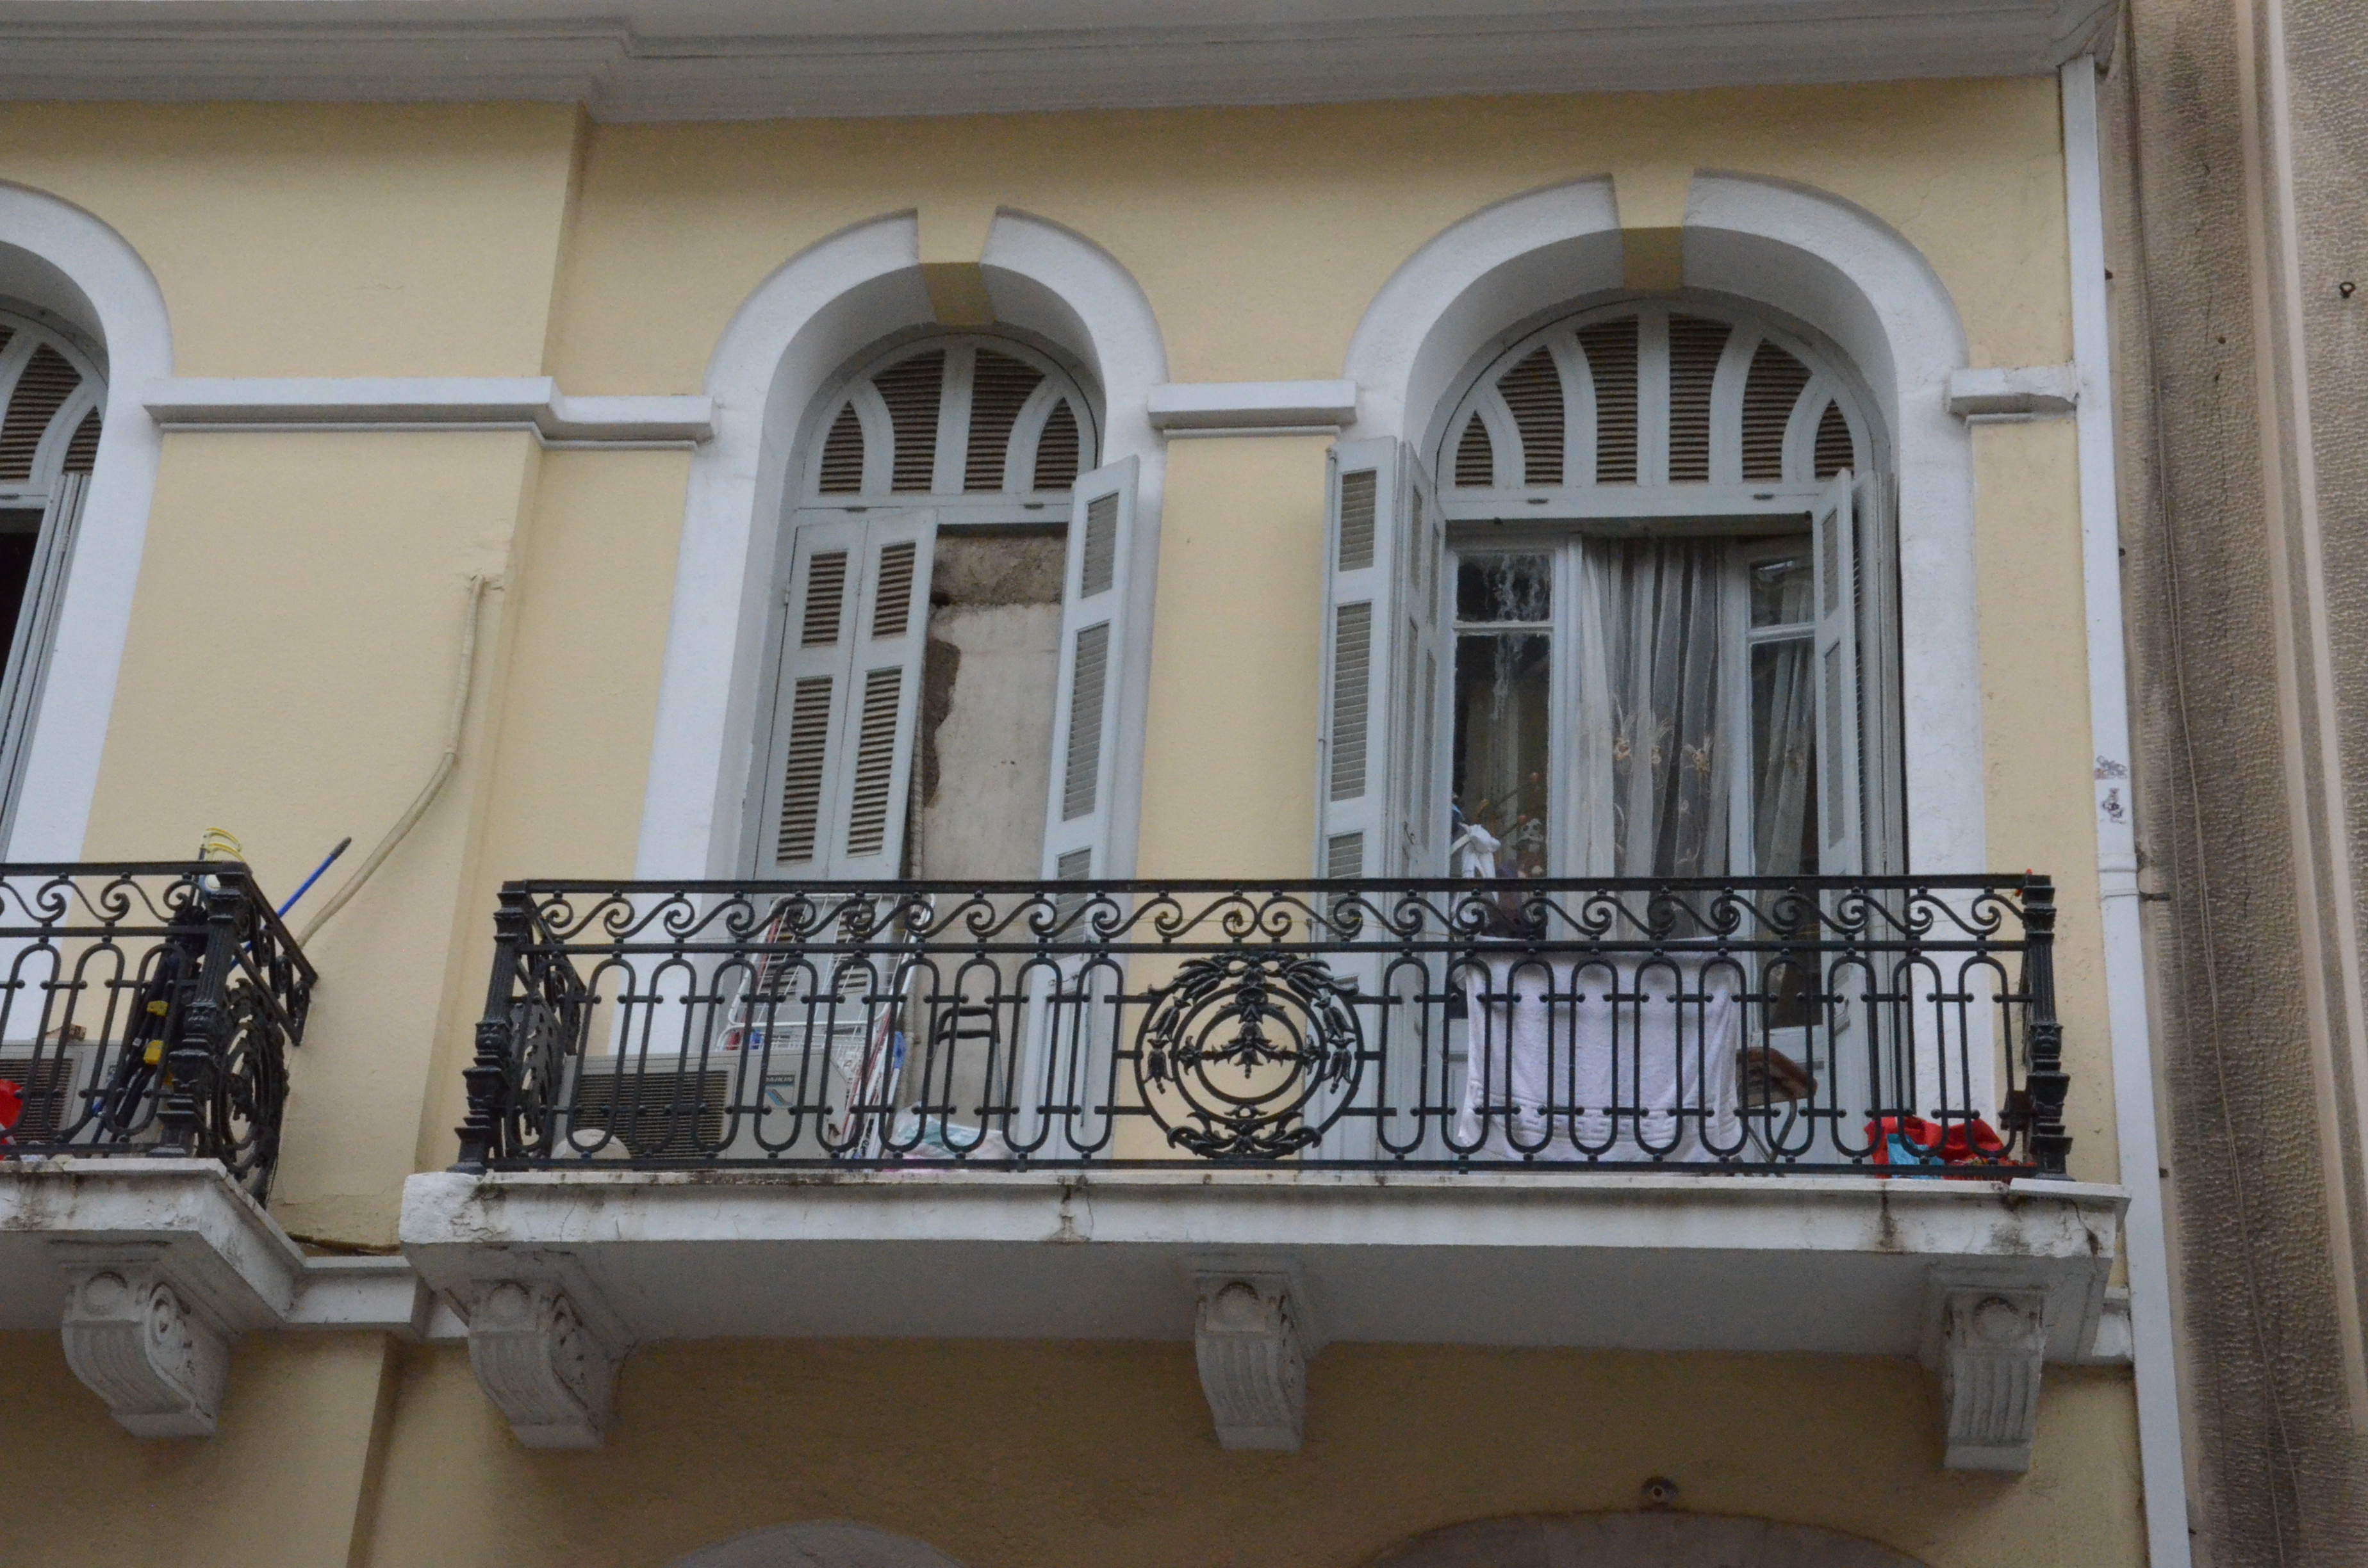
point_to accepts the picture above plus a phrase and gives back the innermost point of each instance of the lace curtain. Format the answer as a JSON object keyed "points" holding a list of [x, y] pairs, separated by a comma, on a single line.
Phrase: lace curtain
{"points": [[1652, 770]]}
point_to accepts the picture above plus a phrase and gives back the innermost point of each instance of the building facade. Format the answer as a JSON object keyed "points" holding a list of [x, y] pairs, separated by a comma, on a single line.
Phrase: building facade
{"points": [[2235, 240], [1124, 788]]}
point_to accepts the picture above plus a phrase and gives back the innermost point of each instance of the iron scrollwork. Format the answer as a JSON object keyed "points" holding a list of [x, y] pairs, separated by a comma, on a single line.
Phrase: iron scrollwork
{"points": [[1236, 1051]]}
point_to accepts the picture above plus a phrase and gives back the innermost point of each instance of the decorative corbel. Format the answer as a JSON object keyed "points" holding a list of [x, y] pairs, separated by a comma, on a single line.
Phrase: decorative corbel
{"points": [[143, 1344], [1253, 1362], [545, 1361], [1993, 1344]]}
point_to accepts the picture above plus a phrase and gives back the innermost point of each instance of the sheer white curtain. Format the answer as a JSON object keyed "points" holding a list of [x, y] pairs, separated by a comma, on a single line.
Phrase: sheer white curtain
{"points": [[1784, 735], [1652, 775]]}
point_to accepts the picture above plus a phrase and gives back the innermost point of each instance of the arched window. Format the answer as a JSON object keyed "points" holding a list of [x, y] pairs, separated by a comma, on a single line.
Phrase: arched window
{"points": [[52, 389], [969, 422], [949, 624], [1660, 639], [1654, 395]]}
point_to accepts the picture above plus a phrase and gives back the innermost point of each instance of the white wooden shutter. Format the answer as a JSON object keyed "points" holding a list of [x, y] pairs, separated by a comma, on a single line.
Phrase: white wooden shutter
{"points": [[1086, 702], [1381, 789], [849, 698], [1840, 851], [36, 631]]}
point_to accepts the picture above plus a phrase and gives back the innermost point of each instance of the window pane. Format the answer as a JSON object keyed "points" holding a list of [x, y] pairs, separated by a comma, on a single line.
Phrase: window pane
{"points": [[1784, 755], [1781, 588], [1501, 689], [1503, 588], [1666, 777]]}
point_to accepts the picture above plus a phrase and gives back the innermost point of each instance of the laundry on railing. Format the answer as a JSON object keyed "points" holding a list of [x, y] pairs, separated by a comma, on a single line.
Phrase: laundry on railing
{"points": [[1624, 1058]]}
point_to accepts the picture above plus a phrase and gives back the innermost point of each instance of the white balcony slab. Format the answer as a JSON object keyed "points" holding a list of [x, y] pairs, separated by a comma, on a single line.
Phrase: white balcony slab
{"points": [[151, 1268], [1830, 1264], [218, 1244]]}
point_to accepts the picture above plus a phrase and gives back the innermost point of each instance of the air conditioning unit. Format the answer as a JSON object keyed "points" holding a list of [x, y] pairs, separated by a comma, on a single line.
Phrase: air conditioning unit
{"points": [[57, 1081], [762, 1092]]}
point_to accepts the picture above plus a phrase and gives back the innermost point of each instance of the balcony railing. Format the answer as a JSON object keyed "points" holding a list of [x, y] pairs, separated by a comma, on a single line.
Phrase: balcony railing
{"points": [[146, 1009], [1887, 1026]]}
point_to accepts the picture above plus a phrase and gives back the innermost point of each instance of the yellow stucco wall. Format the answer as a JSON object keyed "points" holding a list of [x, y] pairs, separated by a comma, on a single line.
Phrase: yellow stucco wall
{"points": [[1035, 1455], [1259, 236], [282, 1481], [292, 662], [349, 240]]}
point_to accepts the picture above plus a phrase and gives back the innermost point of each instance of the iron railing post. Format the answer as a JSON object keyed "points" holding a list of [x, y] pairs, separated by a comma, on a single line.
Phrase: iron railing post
{"points": [[195, 1054], [489, 1075], [2051, 1146]]}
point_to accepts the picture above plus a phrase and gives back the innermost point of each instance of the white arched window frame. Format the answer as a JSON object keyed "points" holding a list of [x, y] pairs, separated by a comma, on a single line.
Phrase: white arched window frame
{"points": [[937, 432], [783, 345], [53, 403], [1688, 416]]}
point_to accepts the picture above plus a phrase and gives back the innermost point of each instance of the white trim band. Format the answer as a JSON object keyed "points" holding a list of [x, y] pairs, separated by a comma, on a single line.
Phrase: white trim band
{"points": [[2036, 391], [1252, 408], [427, 402]]}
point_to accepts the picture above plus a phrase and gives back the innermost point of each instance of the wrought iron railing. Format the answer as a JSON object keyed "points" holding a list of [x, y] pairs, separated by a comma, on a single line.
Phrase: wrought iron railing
{"points": [[146, 1009], [1889, 1025]]}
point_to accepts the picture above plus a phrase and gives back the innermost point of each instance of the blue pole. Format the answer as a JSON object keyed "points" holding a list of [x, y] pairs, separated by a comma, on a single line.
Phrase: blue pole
{"points": [[343, 845]]}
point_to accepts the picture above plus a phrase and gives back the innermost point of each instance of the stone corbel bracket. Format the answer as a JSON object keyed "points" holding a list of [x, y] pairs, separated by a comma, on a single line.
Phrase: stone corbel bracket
{"points": [[1253, 1357], [153, 1347], [545, 1349], [161, 1265], [1990, 1345], [1999, 396]]}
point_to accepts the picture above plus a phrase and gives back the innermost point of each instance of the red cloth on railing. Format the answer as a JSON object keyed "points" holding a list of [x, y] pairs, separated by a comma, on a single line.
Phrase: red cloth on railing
{"points": [[12, 1105], [1973, 1143]]}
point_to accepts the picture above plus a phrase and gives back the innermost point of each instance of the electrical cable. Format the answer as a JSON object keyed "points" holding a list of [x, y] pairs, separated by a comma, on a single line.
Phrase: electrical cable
{"points": [[444, 766]]}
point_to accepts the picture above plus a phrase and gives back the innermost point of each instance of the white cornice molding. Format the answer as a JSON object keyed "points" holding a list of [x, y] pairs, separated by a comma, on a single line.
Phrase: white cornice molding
{"points": [[767, 61], [1252, 408], [428, 403]]}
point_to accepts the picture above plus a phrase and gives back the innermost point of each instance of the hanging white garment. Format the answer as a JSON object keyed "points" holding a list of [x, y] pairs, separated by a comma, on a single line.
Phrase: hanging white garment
{"points": [[1577, 1058]]}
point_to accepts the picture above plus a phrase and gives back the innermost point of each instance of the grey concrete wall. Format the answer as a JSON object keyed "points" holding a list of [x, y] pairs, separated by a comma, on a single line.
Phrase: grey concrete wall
{"points": [[2238, 825], [987, 715]]}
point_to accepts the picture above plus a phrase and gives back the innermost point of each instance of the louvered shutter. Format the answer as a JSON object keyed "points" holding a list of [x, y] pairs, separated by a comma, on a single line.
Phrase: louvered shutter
{"points": [[1093, 640], [1837, 679], [1380, 792], [29, 647], [848, 698], [1881, 774]]}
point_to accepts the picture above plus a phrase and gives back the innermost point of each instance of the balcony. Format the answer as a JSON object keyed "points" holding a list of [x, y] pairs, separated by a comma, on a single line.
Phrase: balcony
{"points": [[146, 1015], [1798, 1115]]}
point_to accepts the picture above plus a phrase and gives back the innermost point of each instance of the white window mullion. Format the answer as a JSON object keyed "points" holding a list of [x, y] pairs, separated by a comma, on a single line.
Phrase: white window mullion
{"points": [[1027, 431], [1652, 395], [879, 439], [1726, 405], [953, 420]]}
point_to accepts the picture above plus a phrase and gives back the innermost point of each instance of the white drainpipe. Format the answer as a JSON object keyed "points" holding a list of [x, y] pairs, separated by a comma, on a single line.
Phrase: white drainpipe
{"points": [[2162, 1460]]}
